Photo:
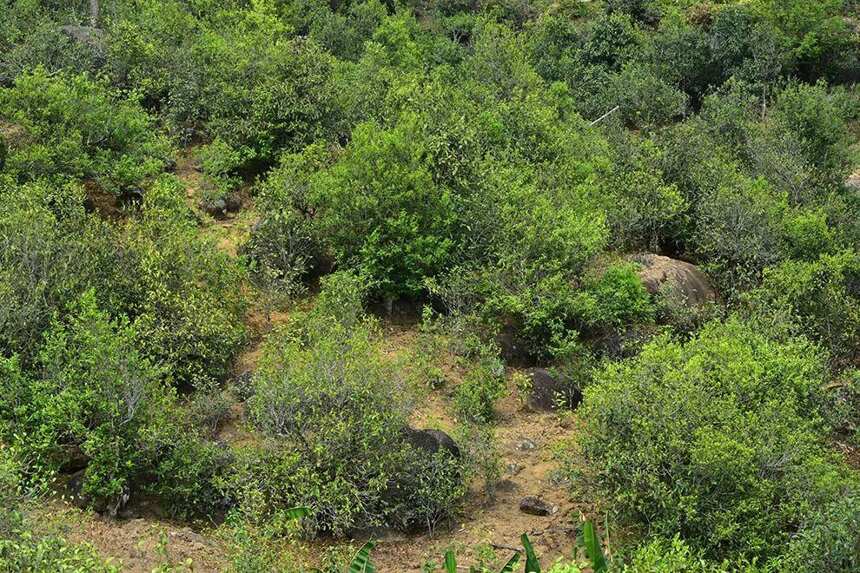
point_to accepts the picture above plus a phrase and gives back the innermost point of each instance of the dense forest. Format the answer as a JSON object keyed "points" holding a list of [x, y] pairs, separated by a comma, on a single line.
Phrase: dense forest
{"points": [[359, 285]]}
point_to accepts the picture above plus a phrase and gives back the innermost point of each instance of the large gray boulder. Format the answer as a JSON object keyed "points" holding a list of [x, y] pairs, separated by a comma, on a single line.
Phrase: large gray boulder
{"points": [[659, 273]]}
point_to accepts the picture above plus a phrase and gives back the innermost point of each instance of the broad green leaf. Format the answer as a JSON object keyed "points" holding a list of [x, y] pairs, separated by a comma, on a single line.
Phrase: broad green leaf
{"points": [[361, 562], [450, 562], [512, 562], [593, 549], [532, 561]]}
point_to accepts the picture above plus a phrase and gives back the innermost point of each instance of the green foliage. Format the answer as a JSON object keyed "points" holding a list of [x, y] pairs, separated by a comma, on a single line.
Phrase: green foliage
{"points": [[95, 396], [50, 253], [380, 212], [51, 554], [483, 384], [816, 298], [740, 457], [336, 411], [72, 126], [188, 477], [612, 298], [181, 290], [593, 549]]}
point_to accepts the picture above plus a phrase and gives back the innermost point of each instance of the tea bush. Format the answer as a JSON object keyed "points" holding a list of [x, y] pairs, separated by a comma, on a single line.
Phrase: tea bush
{"points": [[718, 439], [335, 412]]}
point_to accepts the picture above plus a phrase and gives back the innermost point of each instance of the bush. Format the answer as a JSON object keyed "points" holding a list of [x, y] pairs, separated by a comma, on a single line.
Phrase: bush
{"points": [[51, 251], [335, 413], [718, 439], [484, 383], [96, 396], [75, 127], [819, 299], [181, 291], [832, 531], [645, 101], [379, 212], [188, 477]]}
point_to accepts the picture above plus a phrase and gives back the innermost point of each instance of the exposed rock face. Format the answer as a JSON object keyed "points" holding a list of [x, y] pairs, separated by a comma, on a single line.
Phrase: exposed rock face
{"points": [[534, 505], [688, 280], [548, 392], [431, 441]]}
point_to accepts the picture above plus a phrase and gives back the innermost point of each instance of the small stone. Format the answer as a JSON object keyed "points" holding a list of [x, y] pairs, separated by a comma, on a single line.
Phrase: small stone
{"points": [[526, 445], [514, 469], [534, 505]]}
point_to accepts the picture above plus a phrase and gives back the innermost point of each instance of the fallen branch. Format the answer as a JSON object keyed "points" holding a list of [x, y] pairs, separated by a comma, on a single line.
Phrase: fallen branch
{"points": [[508, 547], [605, 115]]}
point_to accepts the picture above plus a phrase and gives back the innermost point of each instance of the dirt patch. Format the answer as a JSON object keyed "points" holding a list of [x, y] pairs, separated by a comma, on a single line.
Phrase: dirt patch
{"points": [[139, 545]]}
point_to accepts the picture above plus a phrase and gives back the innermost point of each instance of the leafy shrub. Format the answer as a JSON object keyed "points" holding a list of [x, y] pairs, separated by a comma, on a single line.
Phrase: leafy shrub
{"points": [[335, 412], [95, 396], [613, 297], [645, 101], [483, 384], [188, 477], [182, 292], [220, 162], [283, 246], [818, 299], [833, 530], [712, 438], [380, 212], [75, 127], [31, 36], [51, 251]]}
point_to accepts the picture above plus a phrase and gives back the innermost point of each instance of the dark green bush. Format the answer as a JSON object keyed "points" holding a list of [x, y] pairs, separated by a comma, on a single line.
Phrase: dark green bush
{"points": [[94, 395], [181, 291], [819, 299], [51, 251], [378, 210]]}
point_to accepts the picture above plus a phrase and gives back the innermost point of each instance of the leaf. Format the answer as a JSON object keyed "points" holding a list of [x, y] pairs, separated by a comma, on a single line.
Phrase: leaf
{"points": [[297, 512], [593, 549], [532, 561], [361, 562], [450, 562], [509, 566]]}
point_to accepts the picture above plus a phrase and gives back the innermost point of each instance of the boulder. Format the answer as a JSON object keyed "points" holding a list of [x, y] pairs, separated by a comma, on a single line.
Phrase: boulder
{"points": [[214, 207], [431, 441], [659, 272], [548, 392], [534, 505]]}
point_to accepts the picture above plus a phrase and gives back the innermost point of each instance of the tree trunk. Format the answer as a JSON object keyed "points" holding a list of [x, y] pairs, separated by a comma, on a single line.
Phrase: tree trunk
{"points": [[94, 13]]}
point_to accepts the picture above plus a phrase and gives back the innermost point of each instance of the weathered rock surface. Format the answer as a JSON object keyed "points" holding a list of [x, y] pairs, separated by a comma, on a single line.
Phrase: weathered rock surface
{"points": [[659, 272], [534, 505], [548, 392], [431, 441]]}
